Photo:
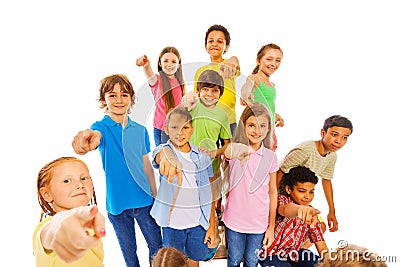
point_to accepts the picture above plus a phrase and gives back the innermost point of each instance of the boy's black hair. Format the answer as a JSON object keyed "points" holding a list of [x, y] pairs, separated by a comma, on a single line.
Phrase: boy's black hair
{"points": [[338, 121], [296, 175], [210, 78], [220, 28]]}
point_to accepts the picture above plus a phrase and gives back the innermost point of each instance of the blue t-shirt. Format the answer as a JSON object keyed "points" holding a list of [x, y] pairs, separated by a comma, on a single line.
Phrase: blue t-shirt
{"points": [[121, 151]]}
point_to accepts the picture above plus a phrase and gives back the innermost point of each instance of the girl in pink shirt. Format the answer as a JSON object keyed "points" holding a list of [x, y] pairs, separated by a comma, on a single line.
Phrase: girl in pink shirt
{"points": [[250, 210], [167, 87]]}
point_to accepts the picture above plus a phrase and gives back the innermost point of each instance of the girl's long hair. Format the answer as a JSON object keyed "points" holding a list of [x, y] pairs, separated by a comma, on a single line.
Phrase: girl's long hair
{"points": [[168, 97], [256, 109]]}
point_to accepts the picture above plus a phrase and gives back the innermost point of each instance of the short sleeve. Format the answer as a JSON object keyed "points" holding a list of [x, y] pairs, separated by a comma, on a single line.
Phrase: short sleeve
{"points": [[283, 200], [296, 157]]}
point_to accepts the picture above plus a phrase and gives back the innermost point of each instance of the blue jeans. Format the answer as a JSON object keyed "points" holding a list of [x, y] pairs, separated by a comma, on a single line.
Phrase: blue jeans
{"points": [[160, 137], [243, 246], [306, 259], [190, 241], [124, 227]]}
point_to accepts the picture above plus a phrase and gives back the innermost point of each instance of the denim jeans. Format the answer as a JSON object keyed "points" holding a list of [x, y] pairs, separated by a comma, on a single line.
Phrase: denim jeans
{"points": [[160, 137], [306, 259], [243, 246], [190, 241], [124, 227]]}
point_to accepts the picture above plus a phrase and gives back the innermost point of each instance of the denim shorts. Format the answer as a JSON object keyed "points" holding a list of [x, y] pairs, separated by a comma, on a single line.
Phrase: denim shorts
{"points": [[190, 241]]}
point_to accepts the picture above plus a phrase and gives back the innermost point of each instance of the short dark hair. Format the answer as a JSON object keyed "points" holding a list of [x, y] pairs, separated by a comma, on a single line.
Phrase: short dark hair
{"points": [[210, 78], [220, 28], [178, 111], [296, 175], [338, 121]]}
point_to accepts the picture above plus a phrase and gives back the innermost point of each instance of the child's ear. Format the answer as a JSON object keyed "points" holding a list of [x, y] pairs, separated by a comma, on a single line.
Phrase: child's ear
{"points": [[166, 129], [322, 133], [226, 49], [45, 194], [287, 189]]}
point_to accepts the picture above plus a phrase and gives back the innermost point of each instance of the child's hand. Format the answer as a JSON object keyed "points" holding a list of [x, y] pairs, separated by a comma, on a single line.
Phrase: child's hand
{"points": [[247, 98], [86, 141], [241, 152], [332, 222], [309, 215], [211, 154], [189, 100], [268, 237], [279, 122], [211, 237], [71, 233], [228, 68], [169, 167], [142, 61]]}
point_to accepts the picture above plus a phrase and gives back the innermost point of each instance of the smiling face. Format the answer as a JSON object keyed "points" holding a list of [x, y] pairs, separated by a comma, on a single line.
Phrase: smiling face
{"points": [[209, 95], [302, 193], [270, 61], [335, 138], [118, 102], [179, 130], [256, 130], [216, 45], [169, 63], [70, 186]]}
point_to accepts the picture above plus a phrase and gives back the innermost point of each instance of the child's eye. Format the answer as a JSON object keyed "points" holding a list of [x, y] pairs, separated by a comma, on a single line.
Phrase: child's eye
{"points": [[125, 95], [85, 178], [66, 181]]}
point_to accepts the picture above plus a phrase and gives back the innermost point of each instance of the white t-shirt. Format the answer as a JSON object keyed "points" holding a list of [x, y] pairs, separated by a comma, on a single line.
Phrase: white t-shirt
{"points": [[186, 211]]}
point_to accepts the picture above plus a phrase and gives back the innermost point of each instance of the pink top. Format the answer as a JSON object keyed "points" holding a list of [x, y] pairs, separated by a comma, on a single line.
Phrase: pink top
{"points": [[247, 206], [160, 114]]}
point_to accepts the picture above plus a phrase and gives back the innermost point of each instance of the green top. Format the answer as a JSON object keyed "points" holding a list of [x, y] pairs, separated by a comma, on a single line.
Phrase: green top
{"points": [[209, 124], [266, 95]]}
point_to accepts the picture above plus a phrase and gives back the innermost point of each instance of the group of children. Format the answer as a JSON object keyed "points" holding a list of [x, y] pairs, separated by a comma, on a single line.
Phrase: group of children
{"points": [[203, 155]]}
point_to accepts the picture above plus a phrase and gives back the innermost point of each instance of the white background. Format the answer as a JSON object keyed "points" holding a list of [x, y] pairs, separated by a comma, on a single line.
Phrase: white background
{"points": [[340, 57]]}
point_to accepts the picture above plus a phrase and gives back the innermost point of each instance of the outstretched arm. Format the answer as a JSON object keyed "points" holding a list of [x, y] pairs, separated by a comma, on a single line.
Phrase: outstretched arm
{"points": [[71, 233], [189, 100], [144, 62], [306, 213], [328, 190], [237, 151], [246, 96], [86, 141], [229, 67], [169, 165]]}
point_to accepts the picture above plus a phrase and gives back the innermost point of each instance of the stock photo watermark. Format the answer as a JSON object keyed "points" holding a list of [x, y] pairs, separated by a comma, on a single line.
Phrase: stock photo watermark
{"points": [[344, 253]]}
